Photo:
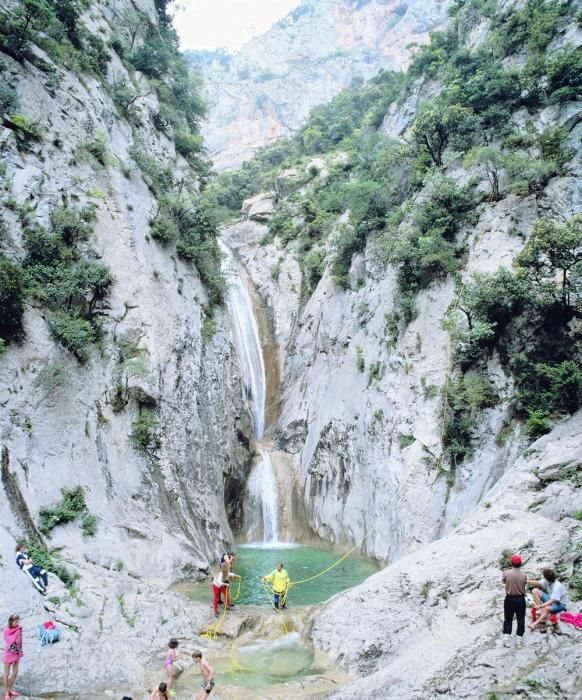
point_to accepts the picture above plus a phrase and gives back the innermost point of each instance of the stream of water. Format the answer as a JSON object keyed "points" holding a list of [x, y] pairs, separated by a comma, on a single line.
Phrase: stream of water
{"points": [[263, 497]]}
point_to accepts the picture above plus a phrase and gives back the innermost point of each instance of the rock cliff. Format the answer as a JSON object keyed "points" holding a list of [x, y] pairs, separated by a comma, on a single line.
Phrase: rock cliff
{"points": [[266, 89], [65, 421]]}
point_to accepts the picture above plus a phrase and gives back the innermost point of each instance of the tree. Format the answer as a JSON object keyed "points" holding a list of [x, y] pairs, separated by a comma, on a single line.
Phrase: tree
{"points": [[12, 296], [553, 256], [20, 26], [489, 160], [438, 126]]}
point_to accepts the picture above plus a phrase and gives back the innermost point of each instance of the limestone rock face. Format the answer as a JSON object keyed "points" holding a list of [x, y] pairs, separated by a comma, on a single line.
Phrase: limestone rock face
{"points": [[258, 208], [444, 603], [160, 512], [361, 414], [266, 90]]}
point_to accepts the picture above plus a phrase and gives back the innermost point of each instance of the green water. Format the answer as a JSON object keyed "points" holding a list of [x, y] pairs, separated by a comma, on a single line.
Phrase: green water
{"points": [[301, 562], [259, 665]]}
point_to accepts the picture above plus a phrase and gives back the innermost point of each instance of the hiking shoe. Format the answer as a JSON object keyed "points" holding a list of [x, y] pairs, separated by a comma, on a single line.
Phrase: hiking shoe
{"points": [[519, 643], [507, 642]]}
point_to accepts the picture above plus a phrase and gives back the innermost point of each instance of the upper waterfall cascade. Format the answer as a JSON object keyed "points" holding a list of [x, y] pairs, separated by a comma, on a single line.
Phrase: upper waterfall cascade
{"points": [[262, 484]]}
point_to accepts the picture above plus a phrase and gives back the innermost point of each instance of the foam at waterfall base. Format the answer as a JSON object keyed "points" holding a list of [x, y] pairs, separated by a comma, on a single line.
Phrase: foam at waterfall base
{"points": [[269, 545]]}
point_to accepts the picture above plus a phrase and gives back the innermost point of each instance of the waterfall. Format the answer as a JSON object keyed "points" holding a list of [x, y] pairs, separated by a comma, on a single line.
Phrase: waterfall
{"points": [[263, 497], [246, 339]]}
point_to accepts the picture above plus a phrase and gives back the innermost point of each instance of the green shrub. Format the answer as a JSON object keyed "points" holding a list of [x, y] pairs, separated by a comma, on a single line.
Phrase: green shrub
{"points": [[163, 227], [21, 26], [313, 268], [188, 144], [73, 333], [70, 225], [145, 432], [28, 130], [439, 125], [89, 524], [12, 297], [467, 395], [72, 506], [348, 241], [208, 328], [281, 224], [8, 99], [98, 149], [161, 179]]}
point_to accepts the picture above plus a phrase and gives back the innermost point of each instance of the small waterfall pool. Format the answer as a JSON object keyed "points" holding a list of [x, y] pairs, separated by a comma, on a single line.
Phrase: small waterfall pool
{"points": [[254, 561]]}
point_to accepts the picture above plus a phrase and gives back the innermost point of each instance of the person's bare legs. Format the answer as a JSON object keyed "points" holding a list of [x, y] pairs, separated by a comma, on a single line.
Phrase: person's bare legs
{"points": [[7, 679], [169, 677], [12, 680], [543, 615], [202, 695], [537, 596]]}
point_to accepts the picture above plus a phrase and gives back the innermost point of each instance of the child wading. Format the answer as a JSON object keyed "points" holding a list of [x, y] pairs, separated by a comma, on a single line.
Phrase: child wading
{"points": [[160, 693], [169, 664], [12, 655], [207, 675]]}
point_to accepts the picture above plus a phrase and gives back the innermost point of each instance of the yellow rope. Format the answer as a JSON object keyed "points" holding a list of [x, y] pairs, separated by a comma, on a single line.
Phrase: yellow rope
{"points": [[212, 631], [339, 561]]}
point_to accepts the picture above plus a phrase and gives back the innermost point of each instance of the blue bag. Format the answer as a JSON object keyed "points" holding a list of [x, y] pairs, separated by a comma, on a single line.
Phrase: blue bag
{"points": [[48, 635]]}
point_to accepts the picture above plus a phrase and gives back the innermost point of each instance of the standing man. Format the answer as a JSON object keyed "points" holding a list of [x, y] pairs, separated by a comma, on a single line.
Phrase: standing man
{"points": [[514, 604], [279, 579]]}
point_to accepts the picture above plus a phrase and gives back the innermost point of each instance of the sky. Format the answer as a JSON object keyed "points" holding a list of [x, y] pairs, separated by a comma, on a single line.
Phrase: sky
{"points": [[213, 24]]}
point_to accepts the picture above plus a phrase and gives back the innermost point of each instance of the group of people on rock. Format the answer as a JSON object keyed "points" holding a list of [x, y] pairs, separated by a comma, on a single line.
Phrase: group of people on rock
{"points": [[549, 597]]}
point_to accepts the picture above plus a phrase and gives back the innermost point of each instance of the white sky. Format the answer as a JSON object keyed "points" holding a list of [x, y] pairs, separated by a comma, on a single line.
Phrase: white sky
{"points": [[213, 24]]}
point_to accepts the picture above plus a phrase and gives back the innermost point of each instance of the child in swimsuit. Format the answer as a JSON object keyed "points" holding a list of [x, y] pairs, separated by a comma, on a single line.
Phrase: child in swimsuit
{"points": [[169, 663], [207, 675]]}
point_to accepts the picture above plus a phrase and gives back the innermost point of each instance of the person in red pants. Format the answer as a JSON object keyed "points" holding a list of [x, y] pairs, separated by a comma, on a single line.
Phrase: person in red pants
{"points": [[218, 587]]}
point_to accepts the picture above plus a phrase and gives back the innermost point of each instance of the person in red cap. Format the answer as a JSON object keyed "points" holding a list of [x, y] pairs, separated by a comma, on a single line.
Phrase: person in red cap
{"points": [[514, 580]]}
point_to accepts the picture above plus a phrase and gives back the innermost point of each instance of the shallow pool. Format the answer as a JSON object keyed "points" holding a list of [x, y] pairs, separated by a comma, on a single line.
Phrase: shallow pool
{"points": [[253, 562]]}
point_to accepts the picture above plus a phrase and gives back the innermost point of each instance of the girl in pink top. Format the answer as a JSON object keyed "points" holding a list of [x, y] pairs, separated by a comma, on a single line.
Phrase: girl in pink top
{"points": [[12, 655]]}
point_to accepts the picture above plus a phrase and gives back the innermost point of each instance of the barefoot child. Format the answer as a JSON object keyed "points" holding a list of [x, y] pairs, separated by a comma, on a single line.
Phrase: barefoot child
{"points": [[161, 693], [12, 655], [169, 664], [207, 675]]}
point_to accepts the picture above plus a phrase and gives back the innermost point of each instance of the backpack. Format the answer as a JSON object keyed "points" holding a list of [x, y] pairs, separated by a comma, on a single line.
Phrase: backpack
{"points": [[48, 633]]}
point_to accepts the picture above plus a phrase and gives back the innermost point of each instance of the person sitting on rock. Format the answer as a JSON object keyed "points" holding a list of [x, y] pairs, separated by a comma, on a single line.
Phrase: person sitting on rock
{"points": [[38, 575], [549, 598], [279, 579], [514, 603]]}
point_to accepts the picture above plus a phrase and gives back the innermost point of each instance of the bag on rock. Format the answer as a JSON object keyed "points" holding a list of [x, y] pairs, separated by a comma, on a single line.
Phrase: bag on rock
{"points": [[48, 633]]}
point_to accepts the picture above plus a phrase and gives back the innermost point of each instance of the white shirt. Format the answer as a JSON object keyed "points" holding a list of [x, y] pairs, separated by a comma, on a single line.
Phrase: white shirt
{"points": [[217, 580], [556, 591]]}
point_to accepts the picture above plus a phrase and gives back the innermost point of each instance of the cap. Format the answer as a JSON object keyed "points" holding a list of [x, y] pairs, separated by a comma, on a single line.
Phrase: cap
{"points": [[516, 560]]}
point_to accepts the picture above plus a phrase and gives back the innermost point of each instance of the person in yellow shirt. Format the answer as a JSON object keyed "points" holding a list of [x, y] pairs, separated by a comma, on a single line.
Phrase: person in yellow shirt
{"points": [[279, 579]]}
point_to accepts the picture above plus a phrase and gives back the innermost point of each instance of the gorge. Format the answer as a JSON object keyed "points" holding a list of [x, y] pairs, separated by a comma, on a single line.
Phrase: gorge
{"points": [[365, 339]]}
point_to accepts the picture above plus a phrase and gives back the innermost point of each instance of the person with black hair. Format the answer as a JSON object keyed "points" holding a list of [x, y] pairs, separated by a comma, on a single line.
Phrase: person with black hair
{"points": [[160, 693], [549, 598]]}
